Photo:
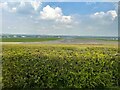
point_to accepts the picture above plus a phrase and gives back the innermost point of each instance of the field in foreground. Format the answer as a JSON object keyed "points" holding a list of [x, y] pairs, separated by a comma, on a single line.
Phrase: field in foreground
{"points": [[60, 66]]}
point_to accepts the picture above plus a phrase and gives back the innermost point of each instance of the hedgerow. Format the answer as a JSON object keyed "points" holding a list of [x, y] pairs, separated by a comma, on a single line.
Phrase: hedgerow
{"points": [[59, 67]]}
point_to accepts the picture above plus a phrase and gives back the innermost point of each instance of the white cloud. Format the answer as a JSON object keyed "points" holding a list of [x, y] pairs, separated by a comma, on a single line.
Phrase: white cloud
{"points": [[14, 9], [66, 19], [112, 14], [22, 3], [3, 5], [36, 4], [6, 7], [51, 13], [99, 14], [56, 14]]}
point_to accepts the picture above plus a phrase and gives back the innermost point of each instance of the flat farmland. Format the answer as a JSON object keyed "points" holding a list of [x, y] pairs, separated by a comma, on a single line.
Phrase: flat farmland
{"points": [[27, 39], [60, 66]]}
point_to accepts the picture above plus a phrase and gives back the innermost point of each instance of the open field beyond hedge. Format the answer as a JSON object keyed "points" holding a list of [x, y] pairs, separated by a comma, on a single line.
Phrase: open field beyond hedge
{"points": [[28, 39], [60, 66]]}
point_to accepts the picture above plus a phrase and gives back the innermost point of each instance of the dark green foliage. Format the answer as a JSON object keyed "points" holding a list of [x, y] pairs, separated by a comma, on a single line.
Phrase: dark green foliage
{"points": [[59, 67]]}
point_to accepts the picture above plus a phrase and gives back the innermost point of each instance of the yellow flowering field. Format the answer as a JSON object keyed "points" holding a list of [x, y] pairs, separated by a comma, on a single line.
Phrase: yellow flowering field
{"points": [[60, 66]]}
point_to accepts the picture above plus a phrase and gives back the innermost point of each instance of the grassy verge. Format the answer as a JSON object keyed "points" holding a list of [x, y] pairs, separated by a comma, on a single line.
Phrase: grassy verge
{"points": [[103, 39]]}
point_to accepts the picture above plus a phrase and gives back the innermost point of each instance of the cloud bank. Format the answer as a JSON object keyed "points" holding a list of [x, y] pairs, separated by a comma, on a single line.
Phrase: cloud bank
{"points": [[111, 14], [49, 13], [26, 18]]}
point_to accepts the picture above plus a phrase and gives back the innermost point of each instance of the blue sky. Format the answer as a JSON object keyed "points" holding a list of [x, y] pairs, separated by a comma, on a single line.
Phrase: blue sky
{"points": [[82, 7], [60, 18]]}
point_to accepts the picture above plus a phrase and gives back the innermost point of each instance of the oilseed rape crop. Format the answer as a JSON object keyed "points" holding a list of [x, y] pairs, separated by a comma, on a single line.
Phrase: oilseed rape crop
{"points": [[60, 66]]}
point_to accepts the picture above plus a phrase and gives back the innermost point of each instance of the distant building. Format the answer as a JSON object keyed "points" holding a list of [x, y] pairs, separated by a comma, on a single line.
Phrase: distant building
{"points": [[23, 36], [14, 36]]}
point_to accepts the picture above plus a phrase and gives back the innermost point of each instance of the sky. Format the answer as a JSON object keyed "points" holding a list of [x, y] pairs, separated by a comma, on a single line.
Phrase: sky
{"points": [[60, 18]]}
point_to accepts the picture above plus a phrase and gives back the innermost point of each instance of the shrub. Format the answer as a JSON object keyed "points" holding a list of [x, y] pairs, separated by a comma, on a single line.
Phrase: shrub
{"points": [[59, 67]]}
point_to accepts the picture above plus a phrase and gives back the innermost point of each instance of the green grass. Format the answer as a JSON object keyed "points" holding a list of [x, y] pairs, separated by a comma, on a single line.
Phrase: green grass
{"points": [[103, 39], [27, 39], [60, 66]]}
